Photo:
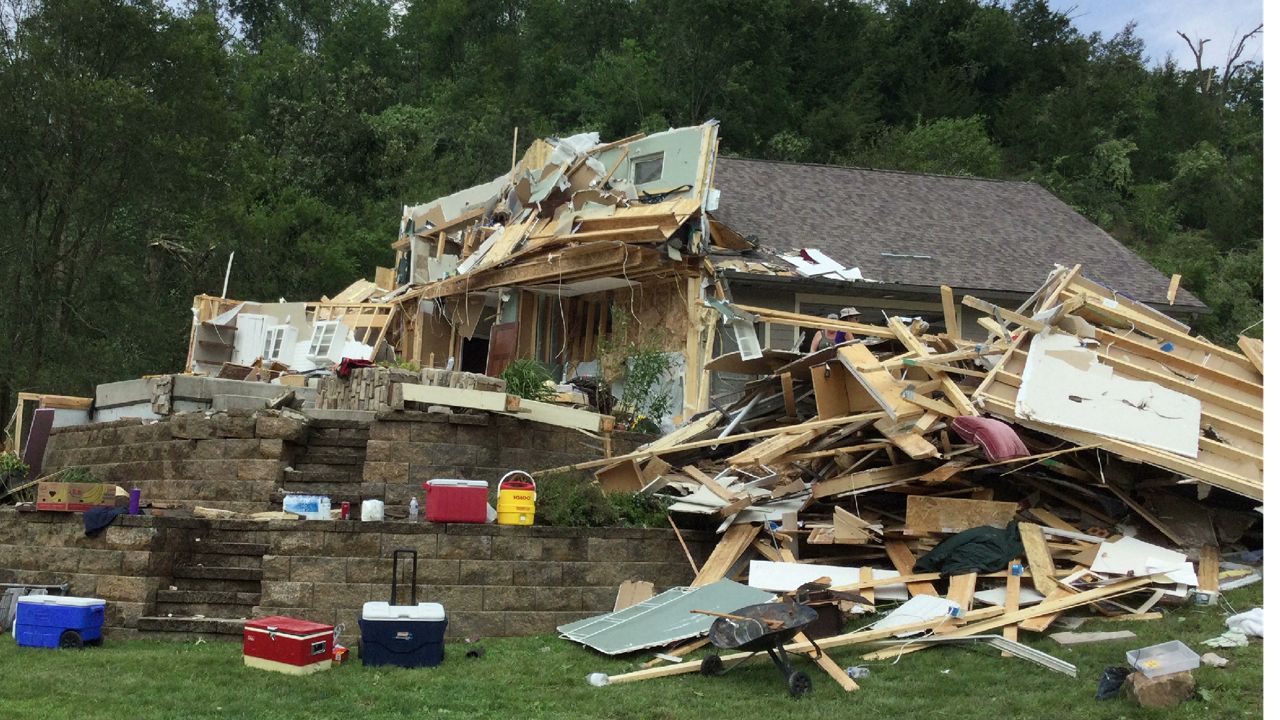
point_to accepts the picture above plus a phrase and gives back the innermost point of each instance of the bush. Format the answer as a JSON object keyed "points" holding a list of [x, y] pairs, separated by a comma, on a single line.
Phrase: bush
{"points": [[528, 379], [573, 500]]}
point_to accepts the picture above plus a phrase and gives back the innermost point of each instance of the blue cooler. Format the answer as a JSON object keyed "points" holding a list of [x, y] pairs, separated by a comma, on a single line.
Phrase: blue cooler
{"points": [[57, 621], [408, 636]]}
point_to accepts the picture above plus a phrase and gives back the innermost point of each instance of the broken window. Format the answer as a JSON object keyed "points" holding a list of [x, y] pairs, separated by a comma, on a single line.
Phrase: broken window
{"points": [[646, 169], [322, 338]]}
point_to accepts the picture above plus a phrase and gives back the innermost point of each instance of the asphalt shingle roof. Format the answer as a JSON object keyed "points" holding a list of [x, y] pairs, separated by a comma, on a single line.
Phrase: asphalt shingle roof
{"points": [[962, 231]]}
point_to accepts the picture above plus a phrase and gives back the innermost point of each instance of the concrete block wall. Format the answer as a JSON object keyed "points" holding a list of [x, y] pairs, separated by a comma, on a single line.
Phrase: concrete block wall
{"points": [[231, 460], [126, 564], [492, 580], [409, 448]]}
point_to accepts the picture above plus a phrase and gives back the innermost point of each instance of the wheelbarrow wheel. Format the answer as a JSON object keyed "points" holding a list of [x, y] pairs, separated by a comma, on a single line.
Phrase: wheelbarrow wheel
{"points": [[799, 684], [70, 640], [712, 666]]}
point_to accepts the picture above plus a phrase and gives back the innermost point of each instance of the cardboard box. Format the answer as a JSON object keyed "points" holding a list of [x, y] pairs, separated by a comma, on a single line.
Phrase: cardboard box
{"points": [[74, 497]]}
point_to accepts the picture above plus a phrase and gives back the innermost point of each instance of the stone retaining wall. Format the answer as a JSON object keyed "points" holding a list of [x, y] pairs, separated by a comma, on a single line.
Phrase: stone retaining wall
{"points": [[493, 580]]}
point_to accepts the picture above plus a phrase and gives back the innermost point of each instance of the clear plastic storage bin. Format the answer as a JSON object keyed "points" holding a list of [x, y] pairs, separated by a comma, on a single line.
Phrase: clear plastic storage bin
{"points": [[1163, 659]]}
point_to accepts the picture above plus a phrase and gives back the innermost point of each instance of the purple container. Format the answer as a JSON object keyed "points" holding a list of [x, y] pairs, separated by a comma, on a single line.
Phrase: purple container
{"points": [[135, 501]]}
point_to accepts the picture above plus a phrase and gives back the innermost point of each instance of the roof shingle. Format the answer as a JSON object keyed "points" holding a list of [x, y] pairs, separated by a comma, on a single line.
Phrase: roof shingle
{"points": [[918, 229]]}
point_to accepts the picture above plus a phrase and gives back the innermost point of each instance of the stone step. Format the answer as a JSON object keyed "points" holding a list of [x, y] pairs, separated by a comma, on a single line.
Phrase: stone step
{"points": [[223, 597], [227, 561], [324, 437], [191, 626], [218, 584], [327, 475], [332, 456], [219, 547], [198, 572], [209, 610]]}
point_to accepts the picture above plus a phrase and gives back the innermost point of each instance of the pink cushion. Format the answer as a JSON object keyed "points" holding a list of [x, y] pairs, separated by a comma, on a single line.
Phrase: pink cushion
{"points": [[997, 440]]}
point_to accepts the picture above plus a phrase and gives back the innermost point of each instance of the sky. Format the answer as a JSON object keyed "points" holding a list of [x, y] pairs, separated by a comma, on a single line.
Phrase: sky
{"points": [[1159, 20]]}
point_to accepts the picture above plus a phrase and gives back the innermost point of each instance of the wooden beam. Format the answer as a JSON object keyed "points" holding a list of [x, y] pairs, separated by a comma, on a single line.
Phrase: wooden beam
{"points": [[733, 543], [654, 451], [783, 317], [560, 416], [960, 589], [1207, 569], [949, 314], [458, 397], [1147, 515], [902, 559], [949, 387], [868, 478], [1003, 316], [1012, 593], [828, 665], [1038, 558]]}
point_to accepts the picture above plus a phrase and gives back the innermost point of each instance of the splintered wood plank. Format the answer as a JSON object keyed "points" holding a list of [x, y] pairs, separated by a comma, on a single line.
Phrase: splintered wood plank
{"points": [[869, 478], [954, 394], [1252, 349], [733, 543], [789, 395], [866, 575], [882, 387], [1053, 521], [711, 484], [828, 665], [1038, 558], [902, 559], [907, 440], [766, 451], [945, 471], [960, 589], [949, 314], [942, 514], [1207, 569], [849, 528]]}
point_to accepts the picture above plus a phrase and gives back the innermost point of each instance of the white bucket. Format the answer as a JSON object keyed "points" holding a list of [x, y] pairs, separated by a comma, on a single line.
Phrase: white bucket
{"points": [[371, 510]]}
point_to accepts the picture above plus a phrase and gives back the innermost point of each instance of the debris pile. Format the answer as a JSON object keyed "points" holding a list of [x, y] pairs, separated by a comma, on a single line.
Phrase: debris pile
{"points": [[1088, 452]]}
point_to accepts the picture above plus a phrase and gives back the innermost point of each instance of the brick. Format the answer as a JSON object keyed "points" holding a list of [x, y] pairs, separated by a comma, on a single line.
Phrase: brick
{"points": [[517, 547], [465, 547], [131, 589], [369, 571], [455, 598], [333, 596], [508, 598], [196, 426], [106, 562], [485, 572], [276, 567], [557, 598], [296, 542], [425, 543], [288, 594], [388, 430], [317, 569], [537, 573], [352, 544], [534, 623], [280, 427], [598, 599], [271, 471], [135, 562], [129, 538], [564, 548], [124, 614], [432, 432], [385, 472]]}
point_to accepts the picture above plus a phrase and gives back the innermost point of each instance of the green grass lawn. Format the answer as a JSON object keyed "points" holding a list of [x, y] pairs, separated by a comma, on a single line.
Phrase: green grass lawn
{"points": [[544, 677]]}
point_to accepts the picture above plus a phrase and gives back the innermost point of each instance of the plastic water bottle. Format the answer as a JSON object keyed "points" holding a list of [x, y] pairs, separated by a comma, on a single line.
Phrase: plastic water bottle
{"points": [[413, 510]]}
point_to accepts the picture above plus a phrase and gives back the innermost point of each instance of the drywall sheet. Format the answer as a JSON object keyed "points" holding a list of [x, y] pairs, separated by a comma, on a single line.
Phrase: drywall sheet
{"points": [[785, 577], [921, 608], [1130, 556], [1065, 385], [662, 619]]}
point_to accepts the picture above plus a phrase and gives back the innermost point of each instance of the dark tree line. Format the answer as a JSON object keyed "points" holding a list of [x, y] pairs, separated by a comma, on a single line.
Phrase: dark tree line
{"points": [[141, 143]]}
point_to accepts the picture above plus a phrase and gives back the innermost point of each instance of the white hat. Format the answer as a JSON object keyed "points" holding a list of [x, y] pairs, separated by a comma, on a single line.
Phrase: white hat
{"points": [[849, 311]]}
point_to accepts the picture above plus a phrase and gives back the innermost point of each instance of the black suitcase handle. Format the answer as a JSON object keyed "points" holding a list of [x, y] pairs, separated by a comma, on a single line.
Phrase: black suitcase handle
{"points": [[395, 575]]}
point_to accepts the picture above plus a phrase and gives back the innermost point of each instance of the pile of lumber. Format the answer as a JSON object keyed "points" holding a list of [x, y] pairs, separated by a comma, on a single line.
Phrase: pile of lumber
{"points": [[1139, 463]]}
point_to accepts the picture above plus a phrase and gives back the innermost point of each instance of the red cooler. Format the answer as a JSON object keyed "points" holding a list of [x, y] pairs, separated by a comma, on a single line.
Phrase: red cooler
{"points": [[457, 501], [288, 645]]}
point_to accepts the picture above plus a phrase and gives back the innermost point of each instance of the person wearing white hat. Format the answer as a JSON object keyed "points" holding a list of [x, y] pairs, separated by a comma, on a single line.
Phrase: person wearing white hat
{"points": [[848, 313]]}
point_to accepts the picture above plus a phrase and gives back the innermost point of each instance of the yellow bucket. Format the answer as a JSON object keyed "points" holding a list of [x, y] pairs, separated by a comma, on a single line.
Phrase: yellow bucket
{"points": [[517, 494]]}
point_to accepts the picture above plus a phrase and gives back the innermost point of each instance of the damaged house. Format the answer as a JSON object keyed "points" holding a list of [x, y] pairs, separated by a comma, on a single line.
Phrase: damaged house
{"points": [[659, 229]]}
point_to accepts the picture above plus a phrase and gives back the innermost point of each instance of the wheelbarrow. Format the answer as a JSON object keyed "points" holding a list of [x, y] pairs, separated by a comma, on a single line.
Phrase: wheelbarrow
{"points": [[766, 627]]}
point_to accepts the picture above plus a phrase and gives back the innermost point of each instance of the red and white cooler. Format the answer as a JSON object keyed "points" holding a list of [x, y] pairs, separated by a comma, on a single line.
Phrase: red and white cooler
{"points": [[288, 645], [457, 501]]}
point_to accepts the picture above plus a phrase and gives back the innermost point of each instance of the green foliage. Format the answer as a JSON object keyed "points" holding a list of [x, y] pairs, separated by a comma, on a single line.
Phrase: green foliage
{"points": [[528, 379], [77, 475], [574, 500], [948, 146], [12, 468], [635, 358]]}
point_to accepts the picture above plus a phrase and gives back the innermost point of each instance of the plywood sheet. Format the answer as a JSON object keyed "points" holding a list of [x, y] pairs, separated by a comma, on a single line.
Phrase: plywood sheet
{"points": [[941, 514]]}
